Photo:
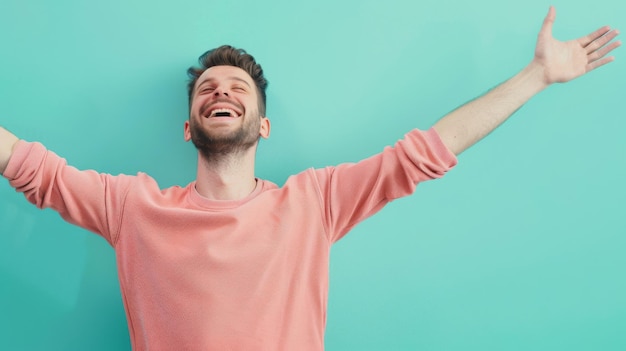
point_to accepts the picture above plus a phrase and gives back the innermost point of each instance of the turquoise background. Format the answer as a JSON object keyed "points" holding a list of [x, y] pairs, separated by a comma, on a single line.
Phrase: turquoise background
{"points": [[521, 247]]}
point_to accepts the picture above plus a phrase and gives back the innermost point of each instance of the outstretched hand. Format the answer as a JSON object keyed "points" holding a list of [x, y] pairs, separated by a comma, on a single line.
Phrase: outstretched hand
{"points": [[564, 61]]}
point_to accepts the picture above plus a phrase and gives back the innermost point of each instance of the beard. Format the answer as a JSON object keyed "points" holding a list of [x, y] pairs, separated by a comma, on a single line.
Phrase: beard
{"points": [[215, 147]]}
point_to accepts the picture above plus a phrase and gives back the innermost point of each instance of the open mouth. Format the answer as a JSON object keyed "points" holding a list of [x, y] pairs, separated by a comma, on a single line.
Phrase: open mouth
{"points": [[221, 108], [222, 112]]}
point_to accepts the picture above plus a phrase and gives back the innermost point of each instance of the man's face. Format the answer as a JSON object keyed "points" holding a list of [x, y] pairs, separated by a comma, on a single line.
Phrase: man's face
{"points": [[224, 114]]}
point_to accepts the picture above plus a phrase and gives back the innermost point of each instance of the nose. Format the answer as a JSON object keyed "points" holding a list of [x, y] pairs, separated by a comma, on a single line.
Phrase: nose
{"points": [[220, 91]]}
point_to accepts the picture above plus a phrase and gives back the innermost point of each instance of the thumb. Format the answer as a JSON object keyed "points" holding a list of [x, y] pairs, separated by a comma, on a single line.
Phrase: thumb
{"points": [[546, 28]]}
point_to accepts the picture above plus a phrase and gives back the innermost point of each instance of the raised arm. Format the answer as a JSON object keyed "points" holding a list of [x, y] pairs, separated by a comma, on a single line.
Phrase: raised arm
{"points": [[7, 142], [554, 62]]}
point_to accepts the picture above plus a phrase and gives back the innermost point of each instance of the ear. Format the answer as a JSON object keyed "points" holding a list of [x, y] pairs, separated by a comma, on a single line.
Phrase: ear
{"points": [[187, 131], [264, 131]]}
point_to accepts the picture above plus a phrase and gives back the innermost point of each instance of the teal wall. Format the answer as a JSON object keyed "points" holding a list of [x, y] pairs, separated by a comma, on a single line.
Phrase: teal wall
{"points": [[521, 247]]}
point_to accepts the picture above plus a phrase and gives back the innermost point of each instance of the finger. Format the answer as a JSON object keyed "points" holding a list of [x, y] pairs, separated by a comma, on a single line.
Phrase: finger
{"points": [[600, 42], [599, 63], [598, 54], [587, 39], [548, 22]]}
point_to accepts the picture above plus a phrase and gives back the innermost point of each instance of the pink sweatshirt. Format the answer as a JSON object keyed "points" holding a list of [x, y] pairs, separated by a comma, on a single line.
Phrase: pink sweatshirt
{"points": [[250, 274]]}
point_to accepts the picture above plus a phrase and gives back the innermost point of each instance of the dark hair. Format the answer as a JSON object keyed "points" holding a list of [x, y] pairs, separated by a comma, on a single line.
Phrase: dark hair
{"points": [[227, 55]]}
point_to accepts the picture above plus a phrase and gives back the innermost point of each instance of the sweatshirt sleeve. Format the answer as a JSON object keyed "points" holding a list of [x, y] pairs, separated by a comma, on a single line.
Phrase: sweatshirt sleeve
{"points": [[88, 199], [354, 191]]}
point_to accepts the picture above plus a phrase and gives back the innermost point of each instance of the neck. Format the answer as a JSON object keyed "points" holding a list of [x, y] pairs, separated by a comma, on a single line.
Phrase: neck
{"points": [[228, 177]]}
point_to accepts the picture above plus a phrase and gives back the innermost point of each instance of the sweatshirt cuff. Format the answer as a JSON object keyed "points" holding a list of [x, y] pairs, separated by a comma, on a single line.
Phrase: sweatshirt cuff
{"points": [[446, 156], [20, 152]]}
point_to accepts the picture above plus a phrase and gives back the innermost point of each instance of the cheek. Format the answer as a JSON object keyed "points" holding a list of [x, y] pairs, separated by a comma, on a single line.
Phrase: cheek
{"points": [[252, 106], [195, 107]]}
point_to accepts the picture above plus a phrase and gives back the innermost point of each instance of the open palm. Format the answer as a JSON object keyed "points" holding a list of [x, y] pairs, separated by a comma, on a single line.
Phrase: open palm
{"points": [[564, 61]]}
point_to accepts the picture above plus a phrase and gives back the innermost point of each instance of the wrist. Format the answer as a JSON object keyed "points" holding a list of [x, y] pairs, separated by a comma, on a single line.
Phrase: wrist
{"points": [[528, 82], [535, 75]]}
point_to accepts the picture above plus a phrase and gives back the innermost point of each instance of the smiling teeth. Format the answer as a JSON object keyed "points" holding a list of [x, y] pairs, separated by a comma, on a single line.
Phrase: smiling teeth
{"points": [[223, 112]]}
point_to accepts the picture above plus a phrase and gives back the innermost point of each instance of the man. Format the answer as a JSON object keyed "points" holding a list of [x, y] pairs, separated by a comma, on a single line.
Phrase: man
{"points": [[233, 262]]}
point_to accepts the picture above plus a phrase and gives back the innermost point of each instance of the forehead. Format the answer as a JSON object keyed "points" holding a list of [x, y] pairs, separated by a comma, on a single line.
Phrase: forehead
{"points": [[224, 73]]}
